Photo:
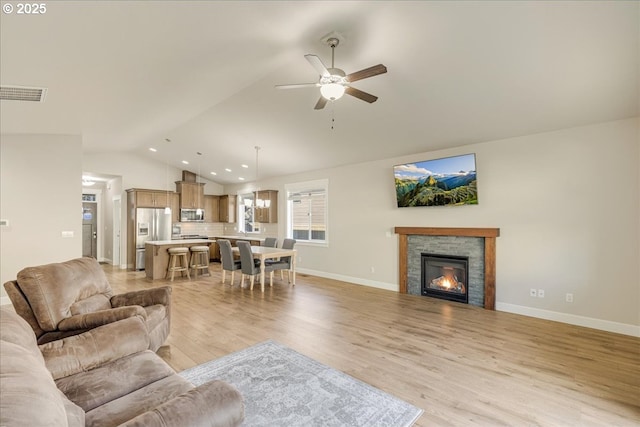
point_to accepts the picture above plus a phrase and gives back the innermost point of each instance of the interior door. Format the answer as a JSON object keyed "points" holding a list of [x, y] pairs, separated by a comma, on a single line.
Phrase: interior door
{"points": [[90, 229]]}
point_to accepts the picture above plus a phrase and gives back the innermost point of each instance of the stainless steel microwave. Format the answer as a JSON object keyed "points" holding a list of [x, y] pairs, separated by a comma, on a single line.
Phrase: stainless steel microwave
{"points": [[191, 215]]}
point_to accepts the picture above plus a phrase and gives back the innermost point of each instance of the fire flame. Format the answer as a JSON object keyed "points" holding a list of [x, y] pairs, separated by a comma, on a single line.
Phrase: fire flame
{"points": [[446, 283]]}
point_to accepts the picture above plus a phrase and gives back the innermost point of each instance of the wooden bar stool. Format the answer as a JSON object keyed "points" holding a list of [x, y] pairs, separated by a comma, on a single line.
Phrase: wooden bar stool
{"points": [[200, 259], [183, 255]]}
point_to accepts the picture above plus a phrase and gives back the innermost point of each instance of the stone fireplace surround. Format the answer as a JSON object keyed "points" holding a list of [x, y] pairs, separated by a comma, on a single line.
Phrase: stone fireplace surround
{"points": [[487, 238]]}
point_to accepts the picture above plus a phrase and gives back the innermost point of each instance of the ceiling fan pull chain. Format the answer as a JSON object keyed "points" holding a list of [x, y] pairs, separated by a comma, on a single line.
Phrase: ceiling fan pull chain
{"points": [[333, 115]]}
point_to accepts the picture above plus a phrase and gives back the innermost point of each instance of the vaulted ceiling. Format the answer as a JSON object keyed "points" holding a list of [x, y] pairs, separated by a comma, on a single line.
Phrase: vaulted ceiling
{"points": [[128, 75]]}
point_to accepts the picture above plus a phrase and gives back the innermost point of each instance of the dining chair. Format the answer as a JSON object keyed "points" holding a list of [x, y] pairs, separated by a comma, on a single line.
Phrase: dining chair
{"points": [[250, 267], [228, 263], [271, 242], [284, 263]]}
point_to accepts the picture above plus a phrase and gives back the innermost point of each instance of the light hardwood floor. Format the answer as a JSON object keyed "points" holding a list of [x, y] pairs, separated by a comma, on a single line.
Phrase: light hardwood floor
{"points": [[463, 365]]}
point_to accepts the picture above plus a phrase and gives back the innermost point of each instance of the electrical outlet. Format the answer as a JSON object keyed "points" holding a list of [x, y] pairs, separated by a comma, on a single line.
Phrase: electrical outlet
{"points": [[533, 292], [373, 270], [568, 298], [540, 293]]}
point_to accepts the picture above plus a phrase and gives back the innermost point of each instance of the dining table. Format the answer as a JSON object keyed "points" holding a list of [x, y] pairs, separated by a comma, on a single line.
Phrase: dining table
{"points": [[264, 252]]}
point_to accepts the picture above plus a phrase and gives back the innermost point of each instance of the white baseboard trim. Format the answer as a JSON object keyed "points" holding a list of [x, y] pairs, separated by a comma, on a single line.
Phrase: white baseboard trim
{"points": [[349, 279], [5, 301], [572, 319]]}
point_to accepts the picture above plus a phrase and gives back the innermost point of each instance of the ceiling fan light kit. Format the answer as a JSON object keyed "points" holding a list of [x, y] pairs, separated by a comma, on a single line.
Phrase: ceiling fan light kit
{"points": [[332, 91], [333, 82]]}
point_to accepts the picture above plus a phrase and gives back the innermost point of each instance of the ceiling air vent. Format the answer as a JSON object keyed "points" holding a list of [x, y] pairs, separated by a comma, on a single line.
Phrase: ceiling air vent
{"points": [[20, 93]]}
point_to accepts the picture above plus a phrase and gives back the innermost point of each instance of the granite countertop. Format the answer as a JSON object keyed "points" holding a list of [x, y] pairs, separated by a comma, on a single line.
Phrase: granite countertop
{"points": [[177, 242], [243, 237]]}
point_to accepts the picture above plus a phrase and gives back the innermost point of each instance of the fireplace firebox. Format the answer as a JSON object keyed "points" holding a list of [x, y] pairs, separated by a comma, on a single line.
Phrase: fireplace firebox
{"points": [[445, 277]]}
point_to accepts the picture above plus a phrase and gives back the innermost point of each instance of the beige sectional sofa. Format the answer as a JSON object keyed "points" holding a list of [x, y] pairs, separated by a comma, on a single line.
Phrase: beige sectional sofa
{"points": [[102, 377]]}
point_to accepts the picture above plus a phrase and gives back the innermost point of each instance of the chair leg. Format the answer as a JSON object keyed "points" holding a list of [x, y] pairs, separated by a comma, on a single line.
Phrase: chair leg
{"points": [[242, 280], [271, 279], [224, 274], [173, 266], [281, 274], [253, 278], [233, 272], [186, 266]]}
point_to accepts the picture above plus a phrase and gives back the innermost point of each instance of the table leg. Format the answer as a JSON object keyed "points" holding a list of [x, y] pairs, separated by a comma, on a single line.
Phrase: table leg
{"points": [[293, 267]]}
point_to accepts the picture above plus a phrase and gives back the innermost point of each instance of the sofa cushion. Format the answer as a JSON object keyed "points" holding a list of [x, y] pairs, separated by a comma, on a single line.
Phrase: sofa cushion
{"points": [[116, 379], [138, 402], [29, 395], [53, 289], [16, 330], [94, 348], [89, 305]]}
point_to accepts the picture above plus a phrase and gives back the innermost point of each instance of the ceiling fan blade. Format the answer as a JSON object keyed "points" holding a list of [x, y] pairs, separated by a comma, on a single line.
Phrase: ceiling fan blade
{"points": [[360, 94], [296, 86], [318, 65], [321, 103], [366, 73]]}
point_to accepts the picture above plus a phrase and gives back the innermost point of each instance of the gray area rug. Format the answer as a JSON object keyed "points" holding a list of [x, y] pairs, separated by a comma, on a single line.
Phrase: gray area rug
{"points": [[282, 387]]}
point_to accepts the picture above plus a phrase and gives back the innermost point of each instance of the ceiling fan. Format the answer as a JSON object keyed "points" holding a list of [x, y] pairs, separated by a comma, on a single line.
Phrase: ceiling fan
{"points": [[333, 82]]}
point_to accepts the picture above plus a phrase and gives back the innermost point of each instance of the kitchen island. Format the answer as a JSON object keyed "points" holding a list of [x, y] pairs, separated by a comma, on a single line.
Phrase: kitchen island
{"points": [[156, 257], [215, 250]]}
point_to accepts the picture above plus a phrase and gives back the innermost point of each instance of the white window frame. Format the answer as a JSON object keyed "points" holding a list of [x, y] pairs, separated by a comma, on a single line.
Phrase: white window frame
{"points": [[308, 186]]}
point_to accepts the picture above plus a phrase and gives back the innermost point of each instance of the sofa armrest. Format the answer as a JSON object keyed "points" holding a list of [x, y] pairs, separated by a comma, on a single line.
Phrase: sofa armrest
{"points": [[215, 403], [100, 318], [95, 347], [144, 297]]}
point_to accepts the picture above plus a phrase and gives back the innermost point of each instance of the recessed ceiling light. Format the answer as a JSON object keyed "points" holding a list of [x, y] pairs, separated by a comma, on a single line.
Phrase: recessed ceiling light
{"points": [[152, 149], [185, 162], [213, 173], [244, 166], [228, 170], [241, 178]]}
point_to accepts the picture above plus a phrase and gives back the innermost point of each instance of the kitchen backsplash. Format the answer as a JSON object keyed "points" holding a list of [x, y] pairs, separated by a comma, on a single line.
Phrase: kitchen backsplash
{"points": [[222, 229], [202, 228]]}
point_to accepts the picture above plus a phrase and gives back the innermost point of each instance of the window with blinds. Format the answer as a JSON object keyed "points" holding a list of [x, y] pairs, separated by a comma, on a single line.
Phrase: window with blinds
{"points": [[307, 212]]}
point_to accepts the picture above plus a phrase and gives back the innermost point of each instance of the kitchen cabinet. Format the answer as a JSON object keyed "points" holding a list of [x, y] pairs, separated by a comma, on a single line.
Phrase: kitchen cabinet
{"points": [[211, 208], [266, 210], [150, 198], [228, 208], [191, 194], [175, 206], [214, 252]]}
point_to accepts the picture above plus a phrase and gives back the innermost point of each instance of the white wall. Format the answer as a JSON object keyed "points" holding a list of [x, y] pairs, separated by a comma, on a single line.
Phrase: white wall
{"points": [[566, 203], [40, 195]]}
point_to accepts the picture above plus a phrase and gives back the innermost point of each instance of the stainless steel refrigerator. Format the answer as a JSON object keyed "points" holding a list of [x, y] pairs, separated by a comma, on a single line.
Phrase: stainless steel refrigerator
{"points": [[151, 224]]}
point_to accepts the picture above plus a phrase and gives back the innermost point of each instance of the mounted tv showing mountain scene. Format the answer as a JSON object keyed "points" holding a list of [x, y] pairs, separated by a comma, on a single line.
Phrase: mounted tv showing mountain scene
{"points": [[440, 182]]}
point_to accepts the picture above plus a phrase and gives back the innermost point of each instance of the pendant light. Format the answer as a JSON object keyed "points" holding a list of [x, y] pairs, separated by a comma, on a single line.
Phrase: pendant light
{"points": [[167, 209], [249, 202], [259, 202], [199, 209]]}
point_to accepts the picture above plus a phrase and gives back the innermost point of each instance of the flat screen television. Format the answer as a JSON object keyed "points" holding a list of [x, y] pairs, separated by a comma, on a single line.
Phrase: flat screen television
{"points": [[448, 181]]}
